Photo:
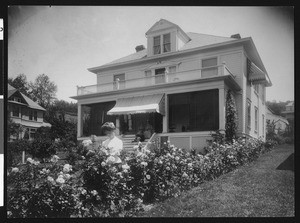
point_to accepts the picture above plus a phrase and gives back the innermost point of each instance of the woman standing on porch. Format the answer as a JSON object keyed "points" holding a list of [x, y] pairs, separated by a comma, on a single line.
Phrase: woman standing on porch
{"points": [[113, 144]]}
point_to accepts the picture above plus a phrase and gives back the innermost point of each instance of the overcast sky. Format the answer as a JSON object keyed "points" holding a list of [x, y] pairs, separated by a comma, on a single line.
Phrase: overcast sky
{"points": [[63, 41]]}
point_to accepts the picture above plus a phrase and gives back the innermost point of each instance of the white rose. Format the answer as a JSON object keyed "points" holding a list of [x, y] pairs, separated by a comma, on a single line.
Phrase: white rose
{"points": [[67, 176], [15, 169], [125, 166], [110, 159], [144, 164], [67, 168], [94, 192], [54, 159], [60, 180]]}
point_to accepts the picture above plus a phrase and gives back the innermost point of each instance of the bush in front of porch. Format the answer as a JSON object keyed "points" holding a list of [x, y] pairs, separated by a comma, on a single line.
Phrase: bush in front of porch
{"points": [[101, 189]]}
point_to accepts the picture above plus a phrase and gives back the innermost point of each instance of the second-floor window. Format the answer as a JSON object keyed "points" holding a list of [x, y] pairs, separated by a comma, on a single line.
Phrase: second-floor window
{"points": [[17, 99], [167, 42], [15, 111], [119, 81], [156, 45], [249, 114], [256, 88], [256, 118], [263, 94], [33, 115], [209, 67], [263, 125], [160, 76]]}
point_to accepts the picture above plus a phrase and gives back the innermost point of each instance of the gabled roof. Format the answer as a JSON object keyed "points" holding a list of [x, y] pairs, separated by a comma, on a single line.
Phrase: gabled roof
{"points": [[290, 103], [197, 40], [271, 112], [11, 91], [135, 56], [163, 24]]}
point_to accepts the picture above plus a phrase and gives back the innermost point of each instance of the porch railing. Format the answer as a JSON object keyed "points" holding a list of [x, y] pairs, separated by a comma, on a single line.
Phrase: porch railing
{"points": [[164, 78]]}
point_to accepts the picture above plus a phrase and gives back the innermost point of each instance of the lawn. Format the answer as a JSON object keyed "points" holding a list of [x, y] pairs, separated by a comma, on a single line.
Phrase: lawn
{"points": [[257, 189]]}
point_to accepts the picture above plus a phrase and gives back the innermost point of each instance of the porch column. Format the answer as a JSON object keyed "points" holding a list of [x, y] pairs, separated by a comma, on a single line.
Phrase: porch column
{"points": [[129, 122], [118, 125], [165, 117], [79, 122], [221, 108]]}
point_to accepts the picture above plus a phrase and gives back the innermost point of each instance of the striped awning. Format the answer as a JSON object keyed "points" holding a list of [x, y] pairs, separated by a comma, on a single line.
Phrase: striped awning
{"points": [[256, 75], [139, 104]]}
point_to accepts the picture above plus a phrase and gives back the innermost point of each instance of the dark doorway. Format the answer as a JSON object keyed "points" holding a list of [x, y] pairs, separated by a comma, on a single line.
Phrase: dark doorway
{"points": [[140, 122]]}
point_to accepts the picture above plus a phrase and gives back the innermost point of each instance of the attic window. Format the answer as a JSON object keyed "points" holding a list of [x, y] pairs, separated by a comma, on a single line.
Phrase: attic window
{"points": [[17, 99], [156, 45], [167, 43]]}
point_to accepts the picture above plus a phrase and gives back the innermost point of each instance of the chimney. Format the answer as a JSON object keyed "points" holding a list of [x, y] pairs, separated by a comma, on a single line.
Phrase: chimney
{"points": [[139, 48], [236, 36]]}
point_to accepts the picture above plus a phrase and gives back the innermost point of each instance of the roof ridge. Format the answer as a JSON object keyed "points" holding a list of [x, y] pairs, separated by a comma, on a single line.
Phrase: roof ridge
{"points": [[210, 35]]}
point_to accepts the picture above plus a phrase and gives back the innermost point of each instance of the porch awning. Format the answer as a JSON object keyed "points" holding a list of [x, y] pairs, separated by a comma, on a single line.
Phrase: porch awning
{"points": [[256, 75], [139, 104]]}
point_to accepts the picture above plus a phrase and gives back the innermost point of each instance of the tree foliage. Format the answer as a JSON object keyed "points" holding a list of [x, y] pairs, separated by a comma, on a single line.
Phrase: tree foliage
{"points": [[43, 90], [277, 107], [20, 83], [13, 129], [231, 117], [58, 110]]}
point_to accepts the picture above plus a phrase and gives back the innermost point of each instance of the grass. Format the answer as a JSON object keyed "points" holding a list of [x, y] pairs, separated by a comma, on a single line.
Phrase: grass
{"points": [[257, 189]]}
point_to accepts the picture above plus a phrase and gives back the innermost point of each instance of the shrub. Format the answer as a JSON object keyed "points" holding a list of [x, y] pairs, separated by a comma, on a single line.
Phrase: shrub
{"points": [[14, 151], [35, 190], [42, 148], [231, 117], [103, 189]]}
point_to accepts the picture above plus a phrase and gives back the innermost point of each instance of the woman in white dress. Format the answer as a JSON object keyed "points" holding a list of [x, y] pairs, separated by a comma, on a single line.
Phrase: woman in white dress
{"points": [[113, 144]]}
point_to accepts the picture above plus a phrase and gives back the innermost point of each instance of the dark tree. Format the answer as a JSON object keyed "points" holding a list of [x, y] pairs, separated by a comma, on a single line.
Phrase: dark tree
{"points": [[20, 83], [43, 91], [277, 107], [231, 117]]}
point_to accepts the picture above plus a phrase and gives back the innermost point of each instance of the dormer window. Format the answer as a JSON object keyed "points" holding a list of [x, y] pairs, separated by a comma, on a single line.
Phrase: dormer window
{"points": [[156, 45], [167, 42]]}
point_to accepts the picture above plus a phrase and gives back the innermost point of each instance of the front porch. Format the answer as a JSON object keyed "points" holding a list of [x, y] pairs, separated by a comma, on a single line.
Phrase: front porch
{"points": [[187, 121]]}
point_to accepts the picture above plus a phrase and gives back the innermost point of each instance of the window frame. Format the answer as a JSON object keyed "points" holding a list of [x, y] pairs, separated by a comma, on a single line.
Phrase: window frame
{"points": [[117, 85], [209, 68], [256, 119], [263, 125], [256, 89], [249, 114], [166, 43], [157, 46], [13, 111], [263, 94]]}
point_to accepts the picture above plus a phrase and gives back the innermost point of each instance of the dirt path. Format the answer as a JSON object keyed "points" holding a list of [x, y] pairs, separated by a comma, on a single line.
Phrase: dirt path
{"points": [[263, 188]]}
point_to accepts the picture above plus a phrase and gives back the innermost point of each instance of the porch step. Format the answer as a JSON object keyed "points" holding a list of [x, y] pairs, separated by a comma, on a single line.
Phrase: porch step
{"points": [[128, 144]]}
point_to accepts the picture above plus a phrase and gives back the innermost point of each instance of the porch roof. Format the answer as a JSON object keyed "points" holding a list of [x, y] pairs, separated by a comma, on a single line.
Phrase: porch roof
{"points": [[139, 104]]}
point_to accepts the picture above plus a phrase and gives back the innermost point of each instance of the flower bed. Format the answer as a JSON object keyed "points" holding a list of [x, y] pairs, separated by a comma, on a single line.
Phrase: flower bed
{"points": [[96, 187]]}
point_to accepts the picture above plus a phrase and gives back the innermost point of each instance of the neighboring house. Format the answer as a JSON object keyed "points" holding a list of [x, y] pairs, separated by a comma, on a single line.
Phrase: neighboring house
{"points": [[179, 85], [289, 111], [281, 123], [24, 111]]}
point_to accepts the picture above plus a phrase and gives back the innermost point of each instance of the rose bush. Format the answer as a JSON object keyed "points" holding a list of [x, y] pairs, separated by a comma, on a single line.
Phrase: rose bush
{"points": [[101, 188], [36, 190]]}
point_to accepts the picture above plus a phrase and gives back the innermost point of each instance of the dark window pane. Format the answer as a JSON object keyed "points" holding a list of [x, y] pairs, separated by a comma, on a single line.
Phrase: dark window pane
{"points": [[194, 111]]}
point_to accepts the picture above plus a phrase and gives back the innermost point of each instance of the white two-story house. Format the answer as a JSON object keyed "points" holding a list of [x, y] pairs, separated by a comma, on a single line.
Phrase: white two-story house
{"points": [[22, 110], [178, 85]]}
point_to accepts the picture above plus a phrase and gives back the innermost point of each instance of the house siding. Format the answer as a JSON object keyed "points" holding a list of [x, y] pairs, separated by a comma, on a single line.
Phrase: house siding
{"points": [[185, 63]]}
